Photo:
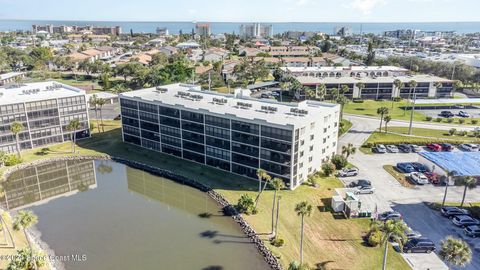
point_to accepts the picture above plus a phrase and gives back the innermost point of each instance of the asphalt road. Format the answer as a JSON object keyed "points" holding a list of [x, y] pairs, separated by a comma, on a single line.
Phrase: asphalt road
{"points": [[109, 112]]}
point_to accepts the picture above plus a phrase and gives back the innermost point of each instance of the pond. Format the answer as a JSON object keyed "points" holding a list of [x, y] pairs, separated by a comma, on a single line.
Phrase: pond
{"points": [[118, 217]]}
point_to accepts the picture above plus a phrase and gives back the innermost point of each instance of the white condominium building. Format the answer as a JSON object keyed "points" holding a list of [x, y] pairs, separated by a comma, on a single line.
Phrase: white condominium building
{"points": [[232, 132]]}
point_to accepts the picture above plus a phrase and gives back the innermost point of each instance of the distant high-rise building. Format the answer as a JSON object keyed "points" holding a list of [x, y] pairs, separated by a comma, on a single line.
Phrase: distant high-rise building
{"points": [[162, 31], [256, 30], [343, 31], [202, 29], [96, 30]]}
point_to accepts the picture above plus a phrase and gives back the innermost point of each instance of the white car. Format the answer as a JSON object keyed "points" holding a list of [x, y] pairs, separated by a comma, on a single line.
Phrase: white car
{"points": [[469, 147], [348, 172], [392, 148], [419, 178], [364, 190]]}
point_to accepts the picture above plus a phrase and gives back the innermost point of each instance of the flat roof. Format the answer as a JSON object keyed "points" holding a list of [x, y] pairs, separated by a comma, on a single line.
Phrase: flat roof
{"points": [[228, 104], [105, 95], [37, 91], [389, 79], [10, 75], [464, 163], [262, 84], [448, 101], [350, 68]]}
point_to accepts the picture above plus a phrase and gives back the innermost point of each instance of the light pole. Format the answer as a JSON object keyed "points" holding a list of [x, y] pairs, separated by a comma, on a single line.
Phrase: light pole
{"points": [[411, 113]]}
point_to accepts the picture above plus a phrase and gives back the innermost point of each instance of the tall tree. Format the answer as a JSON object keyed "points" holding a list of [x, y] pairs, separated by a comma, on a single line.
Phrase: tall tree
{"points": [[303, 209], [93, 100], [413, 84], [342, 100], [72, 127], [382, 111], [391, 229], [348, 150], [277, 184], [468, 182], [387, 120], [16, 128], [450, 175], [360, 87], [100, 102], [321, 91], [370, 58], [455, 252], [22, 221]]}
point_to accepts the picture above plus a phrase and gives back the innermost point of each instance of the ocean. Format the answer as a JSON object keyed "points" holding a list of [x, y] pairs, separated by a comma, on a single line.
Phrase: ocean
{"points": [[230, 27]]}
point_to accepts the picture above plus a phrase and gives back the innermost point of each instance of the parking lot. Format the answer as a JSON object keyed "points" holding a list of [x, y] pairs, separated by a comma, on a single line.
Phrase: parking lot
{"points": [[109, 112], [434, 113], [410, 202]]}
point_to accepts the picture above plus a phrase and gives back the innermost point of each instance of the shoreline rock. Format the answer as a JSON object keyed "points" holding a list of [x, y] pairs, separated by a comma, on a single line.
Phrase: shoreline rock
{"points": [[269, 258]]}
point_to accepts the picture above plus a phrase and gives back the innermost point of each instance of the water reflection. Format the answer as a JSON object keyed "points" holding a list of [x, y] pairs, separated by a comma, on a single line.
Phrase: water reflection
{"points": [[39, 184]]}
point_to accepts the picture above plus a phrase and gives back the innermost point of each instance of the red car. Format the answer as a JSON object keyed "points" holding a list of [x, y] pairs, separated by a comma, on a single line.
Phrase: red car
{"points": [[435, 147], [432, 177]]}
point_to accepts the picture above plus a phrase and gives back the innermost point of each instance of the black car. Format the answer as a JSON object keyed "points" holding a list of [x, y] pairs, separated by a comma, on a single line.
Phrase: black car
{"points": [[360, 183], [419, 167], [447, 114], [451, 211], [419, 245], [405, 148], [446, 147]]}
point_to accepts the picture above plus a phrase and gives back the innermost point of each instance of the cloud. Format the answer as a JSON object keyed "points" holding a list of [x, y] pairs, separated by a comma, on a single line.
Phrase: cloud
{"points": [[192, 11], [366, 6]]}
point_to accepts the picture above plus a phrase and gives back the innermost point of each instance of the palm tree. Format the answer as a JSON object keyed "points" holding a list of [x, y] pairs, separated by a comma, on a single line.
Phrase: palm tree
{"points": [[456, 86], [303, 209], [16, 128], [468, 183], [100, 102], [455, 251], [261, 175], [360, 87], [413, 84], [22, 221], [342, 100], [344, 89], [392, 229], [382, 111], [387, 120], [348, 150], [321, 91], [334, 93], [277, 184], [73, 126], [93, 100], [450, 175], [309, 93], [398, 85]]}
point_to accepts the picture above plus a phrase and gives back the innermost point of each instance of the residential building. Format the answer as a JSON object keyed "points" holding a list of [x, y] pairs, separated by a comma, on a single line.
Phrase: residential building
{"points": [[45, 109], [11, 77], [255, 30], [162, 31], [202, 29], [90, 29], [343, 31], [215, 54], [232, 132], [168, 50]]}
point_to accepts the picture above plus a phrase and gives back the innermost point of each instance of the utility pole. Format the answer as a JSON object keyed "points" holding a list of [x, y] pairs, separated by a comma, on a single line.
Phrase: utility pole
{"points": [[413, 110]]}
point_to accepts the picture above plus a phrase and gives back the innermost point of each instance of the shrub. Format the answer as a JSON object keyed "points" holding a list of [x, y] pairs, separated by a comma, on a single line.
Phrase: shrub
{"points": [[367, 145], [12, 160], [339, 161], [438, 119], [461, 121], [312, 181], [429, 118], [452, 131], [397, 99], [375, 238], [328, 168], [358, 101], [474, 121], [462, 133], [277, 242], [245, 204], [450, 120]]}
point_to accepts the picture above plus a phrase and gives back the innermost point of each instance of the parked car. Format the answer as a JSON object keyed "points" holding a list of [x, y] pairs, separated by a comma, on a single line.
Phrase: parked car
{"points": [[464, 220], [347, 172], [452, 211], [419, 167], [390, 215], [463, 114], [446, 114], [472, 231], [432, 177], [405, 167], [447, 147], [360, 183], [419, 178], [435, 147], [380, 149], [263, 95], [469, 147], [405, 148], [364, 190], [411, 234], [419, 245], [415, 148], [392, 148]]}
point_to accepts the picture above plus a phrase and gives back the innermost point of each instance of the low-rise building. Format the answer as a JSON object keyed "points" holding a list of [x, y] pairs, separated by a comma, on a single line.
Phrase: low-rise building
{"points": [[11, 77], [215, 54], [232, 132], [45, 109]]}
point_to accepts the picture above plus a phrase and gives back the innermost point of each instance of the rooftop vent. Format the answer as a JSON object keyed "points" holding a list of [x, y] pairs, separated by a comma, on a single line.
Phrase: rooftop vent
{"points": [[297, 111], [269, 109], [161, 89], [196, 97], [183, 94], [220, 101], [244, 105]]}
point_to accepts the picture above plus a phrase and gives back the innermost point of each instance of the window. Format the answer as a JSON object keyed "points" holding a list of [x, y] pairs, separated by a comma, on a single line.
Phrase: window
{"points": [[217, 132], [276, 133], [170, 112], [310, 159], [300, 165], [245, 127], [302, 142], [146, 107], [217, 121], [301, 153], [312, 125], [312, 137], [245, 138], [191, 116], [311, 148], [217, 153]]}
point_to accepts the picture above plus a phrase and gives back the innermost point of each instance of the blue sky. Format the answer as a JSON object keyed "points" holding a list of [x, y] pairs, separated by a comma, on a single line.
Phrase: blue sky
{"points": [[244, 10]]}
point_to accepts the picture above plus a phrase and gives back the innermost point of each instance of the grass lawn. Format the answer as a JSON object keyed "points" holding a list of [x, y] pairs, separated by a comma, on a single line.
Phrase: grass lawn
{"points": [[345, 126], [369, 108], [329, 242], [223, 89], [400, 177]]}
